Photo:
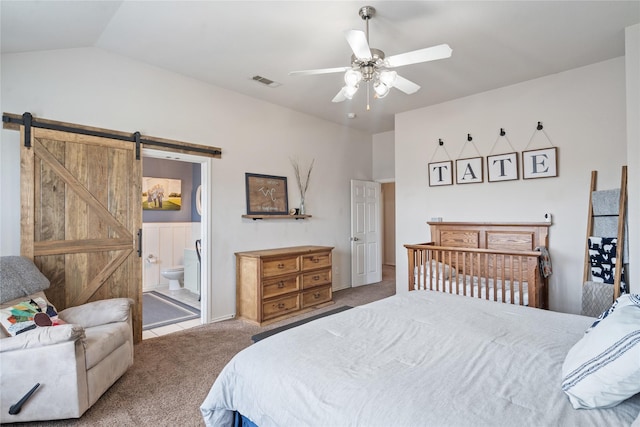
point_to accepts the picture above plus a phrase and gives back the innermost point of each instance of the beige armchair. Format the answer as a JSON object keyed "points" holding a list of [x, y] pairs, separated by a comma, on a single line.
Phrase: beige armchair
{"points": [[74, 362]]}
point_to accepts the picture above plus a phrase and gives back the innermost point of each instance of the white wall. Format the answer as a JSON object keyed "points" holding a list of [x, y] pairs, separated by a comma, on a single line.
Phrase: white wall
{"points": [[632, 62], [383, 145], [583, 112], [92, 87]]}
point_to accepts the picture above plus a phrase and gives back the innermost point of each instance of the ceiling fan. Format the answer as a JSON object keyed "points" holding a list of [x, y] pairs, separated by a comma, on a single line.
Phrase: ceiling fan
{"points": [[371, 65]]}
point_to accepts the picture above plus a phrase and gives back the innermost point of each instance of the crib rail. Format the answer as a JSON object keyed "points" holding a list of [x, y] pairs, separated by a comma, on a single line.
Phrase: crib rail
{"points": [[495, 274]]}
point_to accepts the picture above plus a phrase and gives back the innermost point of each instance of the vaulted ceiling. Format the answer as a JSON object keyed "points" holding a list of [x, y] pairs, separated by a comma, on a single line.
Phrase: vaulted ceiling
{"points": [[226, 43]]}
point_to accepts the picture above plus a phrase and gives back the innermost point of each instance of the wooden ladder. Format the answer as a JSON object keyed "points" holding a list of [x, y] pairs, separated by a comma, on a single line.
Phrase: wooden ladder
{"points": [[622, 205]]}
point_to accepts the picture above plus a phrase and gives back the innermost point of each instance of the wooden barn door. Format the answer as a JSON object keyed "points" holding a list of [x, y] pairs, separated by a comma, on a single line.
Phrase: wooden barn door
{"points": [[81, 212]]}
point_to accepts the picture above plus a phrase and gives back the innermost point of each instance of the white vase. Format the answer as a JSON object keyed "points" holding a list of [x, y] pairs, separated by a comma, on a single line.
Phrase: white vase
{"points": [[302, 206]]}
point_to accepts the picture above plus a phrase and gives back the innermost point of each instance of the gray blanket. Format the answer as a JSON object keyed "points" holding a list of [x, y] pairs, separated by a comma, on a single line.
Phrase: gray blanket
{"points": [[19, 277]]}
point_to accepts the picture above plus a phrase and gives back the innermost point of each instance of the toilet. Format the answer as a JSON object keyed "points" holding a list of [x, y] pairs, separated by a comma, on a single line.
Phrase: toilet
{"points": [[175, 275]]}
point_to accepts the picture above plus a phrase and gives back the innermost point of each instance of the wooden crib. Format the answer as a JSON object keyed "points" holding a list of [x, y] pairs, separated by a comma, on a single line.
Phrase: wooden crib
{"points": [[495, 261]]}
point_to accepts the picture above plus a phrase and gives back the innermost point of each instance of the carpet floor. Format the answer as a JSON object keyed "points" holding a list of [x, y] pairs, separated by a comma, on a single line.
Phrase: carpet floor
{"points": [[161, 310], [172, 374]]}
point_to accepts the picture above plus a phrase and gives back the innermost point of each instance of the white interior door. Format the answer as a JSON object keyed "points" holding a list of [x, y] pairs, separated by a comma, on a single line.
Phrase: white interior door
{"points": [[366, 261]]}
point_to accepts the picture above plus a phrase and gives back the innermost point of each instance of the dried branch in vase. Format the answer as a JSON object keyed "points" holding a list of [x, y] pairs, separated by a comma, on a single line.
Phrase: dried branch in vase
{"points": [[302, 185]]}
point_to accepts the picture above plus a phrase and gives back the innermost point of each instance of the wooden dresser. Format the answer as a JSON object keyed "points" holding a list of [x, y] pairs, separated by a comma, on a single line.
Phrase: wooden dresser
{"points": [[276, 283]]}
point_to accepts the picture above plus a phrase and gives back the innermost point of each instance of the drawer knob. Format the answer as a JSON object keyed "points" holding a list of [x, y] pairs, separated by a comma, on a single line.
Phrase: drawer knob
{"points": [[316, 277], [280, 284], [316, 260], [281, 305], [316, 295], [280, 265]]}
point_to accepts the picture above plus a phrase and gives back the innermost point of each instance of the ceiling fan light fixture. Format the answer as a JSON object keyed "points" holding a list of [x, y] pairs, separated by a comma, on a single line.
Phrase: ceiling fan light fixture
{"points": [[352, 78], [349, 91], [381, 89], [388, 77], [373, 67]]}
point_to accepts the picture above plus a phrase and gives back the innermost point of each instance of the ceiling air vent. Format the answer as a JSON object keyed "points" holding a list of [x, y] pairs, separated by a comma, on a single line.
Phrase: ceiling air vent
{"points": [[265, 81]]}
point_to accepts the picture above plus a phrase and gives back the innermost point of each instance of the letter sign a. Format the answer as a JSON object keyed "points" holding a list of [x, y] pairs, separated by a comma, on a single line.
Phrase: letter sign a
{"points": [[440, 173], [539, 163], [469, 170]]}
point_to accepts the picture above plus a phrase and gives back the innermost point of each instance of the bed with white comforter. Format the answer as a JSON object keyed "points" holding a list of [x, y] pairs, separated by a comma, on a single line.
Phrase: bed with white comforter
{"points": [[419, 359]]}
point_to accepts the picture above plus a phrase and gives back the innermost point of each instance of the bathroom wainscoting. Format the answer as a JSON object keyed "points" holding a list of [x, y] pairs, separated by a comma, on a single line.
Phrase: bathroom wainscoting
{"points": [[163, 246]]}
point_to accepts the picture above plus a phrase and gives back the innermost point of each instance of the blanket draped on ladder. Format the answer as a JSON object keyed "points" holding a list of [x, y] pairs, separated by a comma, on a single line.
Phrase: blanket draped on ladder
{"points": [[598, 296]]}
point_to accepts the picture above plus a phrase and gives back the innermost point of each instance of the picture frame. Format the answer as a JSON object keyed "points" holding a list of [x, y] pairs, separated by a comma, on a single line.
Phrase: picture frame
{"points": [[161, 194], [266, 194], [502, 167], [541, 163], [469, 171], [440, 173]]}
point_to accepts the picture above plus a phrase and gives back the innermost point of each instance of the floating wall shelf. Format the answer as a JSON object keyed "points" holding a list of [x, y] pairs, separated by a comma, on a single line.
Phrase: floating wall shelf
{"points": [[255, 217]]}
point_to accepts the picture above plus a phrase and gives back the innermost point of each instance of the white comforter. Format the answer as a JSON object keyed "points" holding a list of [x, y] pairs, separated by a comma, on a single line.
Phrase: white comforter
{"points": [[418, 359]]}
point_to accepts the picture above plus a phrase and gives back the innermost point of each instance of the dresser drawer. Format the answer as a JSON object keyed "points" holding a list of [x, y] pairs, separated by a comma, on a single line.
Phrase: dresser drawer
{"points": [[318, 260], [316, 278], [275, 287], [316, 296], [280, 306], [276, 267]]}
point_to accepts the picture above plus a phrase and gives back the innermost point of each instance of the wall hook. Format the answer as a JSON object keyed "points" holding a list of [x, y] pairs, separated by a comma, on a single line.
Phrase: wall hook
{"points": [[440, 142], [469, 137], [502, 132], [539, 127]]}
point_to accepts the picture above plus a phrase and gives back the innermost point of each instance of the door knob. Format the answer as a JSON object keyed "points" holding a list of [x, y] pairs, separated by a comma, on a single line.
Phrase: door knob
{"points": [[354, 239]]}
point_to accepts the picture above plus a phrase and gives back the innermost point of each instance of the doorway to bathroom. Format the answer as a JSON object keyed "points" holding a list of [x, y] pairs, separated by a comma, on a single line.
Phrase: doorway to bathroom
{"points": [[174, 241]]}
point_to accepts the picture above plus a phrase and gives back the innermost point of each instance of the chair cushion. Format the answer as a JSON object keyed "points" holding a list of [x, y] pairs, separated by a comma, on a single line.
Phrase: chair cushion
{"points": [[100, 341]]}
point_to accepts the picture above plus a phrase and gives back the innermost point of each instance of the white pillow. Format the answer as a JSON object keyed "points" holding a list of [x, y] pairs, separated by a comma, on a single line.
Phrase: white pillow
{"points": [[603, 368]]}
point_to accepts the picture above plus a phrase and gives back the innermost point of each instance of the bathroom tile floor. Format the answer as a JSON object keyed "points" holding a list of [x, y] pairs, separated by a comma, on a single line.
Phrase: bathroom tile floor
{"points": [[182, 295]]}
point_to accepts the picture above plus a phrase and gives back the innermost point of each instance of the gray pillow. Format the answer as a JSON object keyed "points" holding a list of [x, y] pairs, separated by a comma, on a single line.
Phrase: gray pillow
{"points": [[19, 277]]}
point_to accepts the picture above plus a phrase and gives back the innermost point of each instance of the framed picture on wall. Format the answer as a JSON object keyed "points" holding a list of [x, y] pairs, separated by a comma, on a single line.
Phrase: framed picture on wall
{"points": [[266, 194], [469, 171], [441, 173], [161, 194], [539, 163], [502, 167]]}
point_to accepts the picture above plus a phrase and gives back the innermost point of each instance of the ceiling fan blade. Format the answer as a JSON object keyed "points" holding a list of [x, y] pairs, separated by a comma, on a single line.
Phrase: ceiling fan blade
{"points": [[339, 97], [421, 55], [406, 86], [358, 42], [319, 71]]}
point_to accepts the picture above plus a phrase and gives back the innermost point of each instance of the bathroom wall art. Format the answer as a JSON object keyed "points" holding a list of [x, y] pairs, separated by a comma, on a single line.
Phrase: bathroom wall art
{"points": [[161, 194]]}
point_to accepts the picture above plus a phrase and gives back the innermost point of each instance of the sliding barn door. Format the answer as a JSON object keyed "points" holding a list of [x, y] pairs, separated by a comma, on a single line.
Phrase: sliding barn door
{"points": [[81, 211]]}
